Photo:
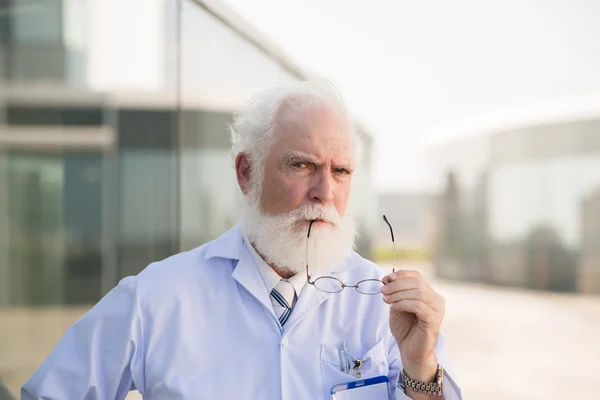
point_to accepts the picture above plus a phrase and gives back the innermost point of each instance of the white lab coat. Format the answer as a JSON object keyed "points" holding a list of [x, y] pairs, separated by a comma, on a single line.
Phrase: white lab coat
{"points": [[200, 325]]}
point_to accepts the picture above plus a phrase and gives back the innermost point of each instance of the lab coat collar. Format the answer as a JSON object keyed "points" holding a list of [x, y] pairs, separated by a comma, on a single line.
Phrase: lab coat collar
{"points": [[231, 246]]}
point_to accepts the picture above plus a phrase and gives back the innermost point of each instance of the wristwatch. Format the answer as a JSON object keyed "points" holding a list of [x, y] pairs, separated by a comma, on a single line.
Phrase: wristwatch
{"points": [[435, 388]]}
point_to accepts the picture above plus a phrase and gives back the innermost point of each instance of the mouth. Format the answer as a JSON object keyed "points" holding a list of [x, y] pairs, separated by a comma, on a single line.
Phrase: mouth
{"points": [[321, 222]]}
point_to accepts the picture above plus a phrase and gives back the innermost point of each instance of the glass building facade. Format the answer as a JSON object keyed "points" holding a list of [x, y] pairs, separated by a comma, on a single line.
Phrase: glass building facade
{"points": [[114, 150], [520, 206]]}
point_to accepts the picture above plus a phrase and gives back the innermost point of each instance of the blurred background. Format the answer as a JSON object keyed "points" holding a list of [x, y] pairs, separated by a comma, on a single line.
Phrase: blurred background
{"points": [[482, 129]]}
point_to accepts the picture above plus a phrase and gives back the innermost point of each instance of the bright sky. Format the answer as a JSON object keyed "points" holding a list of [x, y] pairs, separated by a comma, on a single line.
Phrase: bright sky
{"points": [[409, 69]]}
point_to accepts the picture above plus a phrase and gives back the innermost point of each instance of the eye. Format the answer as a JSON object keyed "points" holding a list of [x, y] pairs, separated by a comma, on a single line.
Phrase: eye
{"points": [[300, 165], [342, 171]]}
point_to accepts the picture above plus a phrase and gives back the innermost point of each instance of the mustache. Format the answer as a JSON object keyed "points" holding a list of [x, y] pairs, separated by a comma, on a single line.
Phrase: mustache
{"points": [[318, 212]]}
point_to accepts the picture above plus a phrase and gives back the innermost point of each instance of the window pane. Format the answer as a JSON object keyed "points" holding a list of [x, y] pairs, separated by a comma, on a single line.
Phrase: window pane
{"points": [[219, 71], [533, 224]]}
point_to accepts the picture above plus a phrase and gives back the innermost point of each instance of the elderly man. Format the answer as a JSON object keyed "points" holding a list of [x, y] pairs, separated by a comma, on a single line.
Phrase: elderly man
{"points": [[279, 307]]}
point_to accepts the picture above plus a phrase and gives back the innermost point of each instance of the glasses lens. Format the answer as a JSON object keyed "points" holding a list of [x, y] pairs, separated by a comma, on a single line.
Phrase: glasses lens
{"points": [[369, 286], [329, 284]]}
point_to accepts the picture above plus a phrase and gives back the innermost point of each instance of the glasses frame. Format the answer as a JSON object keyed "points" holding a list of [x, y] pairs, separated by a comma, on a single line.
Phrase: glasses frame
{"points": [[343, 284]]}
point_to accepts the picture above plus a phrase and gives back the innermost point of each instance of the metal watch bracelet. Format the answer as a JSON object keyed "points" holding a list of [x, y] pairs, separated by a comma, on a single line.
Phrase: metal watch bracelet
{"points": [[431, 388]]}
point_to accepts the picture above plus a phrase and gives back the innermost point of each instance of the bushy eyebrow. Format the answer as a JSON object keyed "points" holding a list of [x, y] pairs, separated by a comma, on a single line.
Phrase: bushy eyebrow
{"points": [[293, 158]]}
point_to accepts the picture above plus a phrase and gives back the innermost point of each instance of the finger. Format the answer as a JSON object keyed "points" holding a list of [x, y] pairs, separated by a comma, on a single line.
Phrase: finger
{"points": [[402, 284], [402, 274], [420, 309], [406, 274], [412, 294], [422, 293]]}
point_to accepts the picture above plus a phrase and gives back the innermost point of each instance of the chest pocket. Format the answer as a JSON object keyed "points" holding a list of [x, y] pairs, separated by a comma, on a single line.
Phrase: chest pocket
{"points": [[374, 363]]}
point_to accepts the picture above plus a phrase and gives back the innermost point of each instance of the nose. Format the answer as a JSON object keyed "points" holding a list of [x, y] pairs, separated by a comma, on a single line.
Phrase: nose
{"points": [[322, 188]]}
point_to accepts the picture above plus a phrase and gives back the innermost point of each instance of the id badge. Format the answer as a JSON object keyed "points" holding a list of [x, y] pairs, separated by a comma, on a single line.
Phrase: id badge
{"points": [[375, 388]]}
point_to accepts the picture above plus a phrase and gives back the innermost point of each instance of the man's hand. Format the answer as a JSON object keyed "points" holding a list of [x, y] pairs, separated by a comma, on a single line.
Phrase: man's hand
{"points": [[416, 315]]}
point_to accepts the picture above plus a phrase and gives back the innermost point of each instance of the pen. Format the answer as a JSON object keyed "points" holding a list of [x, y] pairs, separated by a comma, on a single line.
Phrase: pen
{"points": [[341, 360], [347, 361]]}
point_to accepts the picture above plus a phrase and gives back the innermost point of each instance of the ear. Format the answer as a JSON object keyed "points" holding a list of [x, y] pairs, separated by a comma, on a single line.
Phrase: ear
{"points": [[242, 171]]}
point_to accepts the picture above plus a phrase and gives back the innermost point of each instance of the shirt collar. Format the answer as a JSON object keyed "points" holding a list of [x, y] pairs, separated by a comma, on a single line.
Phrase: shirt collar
{"points": [[269, 276]]}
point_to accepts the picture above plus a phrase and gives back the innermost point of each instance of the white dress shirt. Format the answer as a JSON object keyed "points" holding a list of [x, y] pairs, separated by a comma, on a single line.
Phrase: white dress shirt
{"points": [[270, 277]]}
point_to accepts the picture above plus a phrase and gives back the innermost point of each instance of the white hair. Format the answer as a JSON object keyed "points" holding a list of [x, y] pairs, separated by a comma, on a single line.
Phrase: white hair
{"points": [[253, 129]]}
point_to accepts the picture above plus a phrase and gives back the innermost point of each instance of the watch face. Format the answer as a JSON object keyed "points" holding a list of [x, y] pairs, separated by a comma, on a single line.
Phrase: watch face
{"points": [[440, 375]]}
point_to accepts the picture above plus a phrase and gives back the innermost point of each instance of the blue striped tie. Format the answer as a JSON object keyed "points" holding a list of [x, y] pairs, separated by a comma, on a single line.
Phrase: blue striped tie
{"points": [[282, 296]]}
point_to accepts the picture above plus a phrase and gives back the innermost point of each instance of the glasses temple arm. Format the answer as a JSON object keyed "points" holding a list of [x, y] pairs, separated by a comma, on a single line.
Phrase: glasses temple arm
{"points": [[306, 252], [393, 242]]}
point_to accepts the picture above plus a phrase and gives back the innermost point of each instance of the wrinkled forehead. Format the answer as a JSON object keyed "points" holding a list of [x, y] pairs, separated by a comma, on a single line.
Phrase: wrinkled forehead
{"points": [[313, 126]]}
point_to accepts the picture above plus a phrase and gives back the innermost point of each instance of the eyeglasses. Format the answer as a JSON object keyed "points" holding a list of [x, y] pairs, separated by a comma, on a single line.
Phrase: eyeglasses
{"points": [[331, 284]]}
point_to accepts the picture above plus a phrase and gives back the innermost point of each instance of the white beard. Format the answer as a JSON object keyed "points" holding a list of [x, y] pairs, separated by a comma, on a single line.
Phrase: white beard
{"points": [[281, 239]]}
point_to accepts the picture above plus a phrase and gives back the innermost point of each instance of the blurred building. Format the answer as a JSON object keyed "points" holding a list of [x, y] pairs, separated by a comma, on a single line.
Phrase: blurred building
{"points": [[114, 149], [518, 205], [589, 265], [411, 216], [114, 143]]}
